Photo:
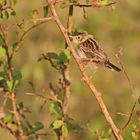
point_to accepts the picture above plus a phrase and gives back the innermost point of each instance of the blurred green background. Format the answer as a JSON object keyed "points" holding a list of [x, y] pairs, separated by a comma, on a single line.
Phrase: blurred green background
{"points": [[114, 29]]}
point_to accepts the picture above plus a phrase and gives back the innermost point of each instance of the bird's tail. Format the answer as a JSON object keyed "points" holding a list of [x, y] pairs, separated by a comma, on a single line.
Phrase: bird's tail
{"points": [[112, 66]]}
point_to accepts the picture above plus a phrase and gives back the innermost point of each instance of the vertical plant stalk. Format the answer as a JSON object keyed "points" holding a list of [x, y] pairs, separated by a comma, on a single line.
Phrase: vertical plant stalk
{"points": [[66, 72], [12, 94], [17, 116], [93, 89]]}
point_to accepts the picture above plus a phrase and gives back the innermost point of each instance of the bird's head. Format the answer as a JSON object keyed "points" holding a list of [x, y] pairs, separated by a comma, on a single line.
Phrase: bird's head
{"points": [[80, 37]]}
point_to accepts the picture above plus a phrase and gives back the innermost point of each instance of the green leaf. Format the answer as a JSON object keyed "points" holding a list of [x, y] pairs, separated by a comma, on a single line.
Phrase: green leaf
{"points": [[25, 129], [15, 46], [1, 39], [72, 125], [64, 131], [52, 55], [35, 14], [45, 9], [64, 56], [9, 85], [105, 139], [2, 52], [36, 127], [13, 2], [56, 109], [134, 126], [104, 2], [12, 84], [3, 74], [13, 13], [134, 136], [3, 77], [17, 75], [57, 124], [8, 118], [5, 15], [2, 1], [21, 105]]}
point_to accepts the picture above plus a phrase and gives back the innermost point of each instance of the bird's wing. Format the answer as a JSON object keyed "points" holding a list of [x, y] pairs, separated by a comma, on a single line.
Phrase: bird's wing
{"points": [[92, 50]]}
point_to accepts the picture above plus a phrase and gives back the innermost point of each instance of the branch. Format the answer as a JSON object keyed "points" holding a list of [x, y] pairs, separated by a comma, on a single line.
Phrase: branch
{"points": [[12, 94], [98, 135], [66, 74], [2, 125], [54, 98], [82, 5], [93, 89], [41, 21], [17, 116], [130, 116]]}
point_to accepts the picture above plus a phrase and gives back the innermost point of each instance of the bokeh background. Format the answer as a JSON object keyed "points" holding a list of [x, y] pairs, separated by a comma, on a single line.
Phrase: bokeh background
{"points": [[114, 29]]}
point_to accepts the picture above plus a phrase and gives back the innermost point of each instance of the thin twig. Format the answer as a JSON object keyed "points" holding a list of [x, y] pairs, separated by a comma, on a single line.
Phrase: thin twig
{"points": [[39, 21], [54, 98], [118, 55], [130, 116], [82, 5], [122, 114], [95, 92], [98, 135], [42, 20], [130, 85]]}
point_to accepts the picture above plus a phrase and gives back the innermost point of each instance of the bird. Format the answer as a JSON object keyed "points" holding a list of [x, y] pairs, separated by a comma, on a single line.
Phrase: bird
{"points": [[90, 51]]}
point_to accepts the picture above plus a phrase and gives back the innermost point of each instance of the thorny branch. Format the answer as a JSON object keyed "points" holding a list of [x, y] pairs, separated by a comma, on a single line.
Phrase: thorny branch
{"points": [[95, 92]]}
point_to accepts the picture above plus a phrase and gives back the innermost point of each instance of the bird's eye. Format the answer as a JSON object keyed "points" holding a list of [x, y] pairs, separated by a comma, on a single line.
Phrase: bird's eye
{"points": [[79, 37]]}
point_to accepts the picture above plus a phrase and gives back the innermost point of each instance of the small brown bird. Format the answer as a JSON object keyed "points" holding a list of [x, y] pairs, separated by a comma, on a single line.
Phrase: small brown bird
{"points": [[89, 51]]}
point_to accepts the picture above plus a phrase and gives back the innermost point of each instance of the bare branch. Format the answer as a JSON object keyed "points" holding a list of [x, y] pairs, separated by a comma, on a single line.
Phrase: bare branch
{"points": [[95, 92], [130, 116], [54, 98], [40, 20]]}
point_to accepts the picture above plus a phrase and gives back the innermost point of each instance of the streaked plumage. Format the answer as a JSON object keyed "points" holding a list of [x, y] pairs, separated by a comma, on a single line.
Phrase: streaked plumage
{"points": [[91, 52]]}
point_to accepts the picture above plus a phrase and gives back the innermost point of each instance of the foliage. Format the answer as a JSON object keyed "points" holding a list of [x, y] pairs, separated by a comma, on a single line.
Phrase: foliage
{"points": [[14, 114]]}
